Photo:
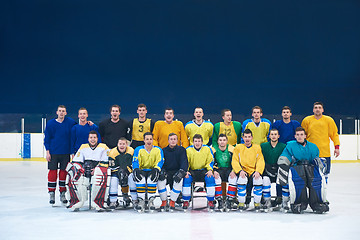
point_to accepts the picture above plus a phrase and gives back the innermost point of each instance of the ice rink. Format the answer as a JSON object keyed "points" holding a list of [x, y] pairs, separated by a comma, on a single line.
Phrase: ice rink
{"points": [[26, 214]]}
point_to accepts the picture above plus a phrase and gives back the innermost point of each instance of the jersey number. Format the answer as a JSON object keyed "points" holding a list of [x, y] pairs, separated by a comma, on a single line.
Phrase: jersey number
{"points": [[141, 128], [227, 132]]}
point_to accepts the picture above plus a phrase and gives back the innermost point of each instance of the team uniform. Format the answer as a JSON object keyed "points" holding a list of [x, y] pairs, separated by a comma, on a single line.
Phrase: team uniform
{"points": [[271, 155], [301, 168], [320, 131], [137, 130], [162, 130], [260, 131], [120, 164], [248, 159], [172, 172], [205, 129], [111, 132], [286, 130], [233, 132], [200, 161], [80, 135], [89, 166], [57, 142]]}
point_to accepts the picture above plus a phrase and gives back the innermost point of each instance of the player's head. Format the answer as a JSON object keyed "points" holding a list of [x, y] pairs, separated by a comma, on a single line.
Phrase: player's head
{"points": [[318, 108], [198, 113], [93, 138], [247, 137], [222, 140], [226, 115], [115, 111], [286, 112], [122, 144], [256, 112], [173, 140], [141, 110], [274, 135], [300, 135], [61, 111], [169, 114], [198, 141], [148, 139], [83, 114]]}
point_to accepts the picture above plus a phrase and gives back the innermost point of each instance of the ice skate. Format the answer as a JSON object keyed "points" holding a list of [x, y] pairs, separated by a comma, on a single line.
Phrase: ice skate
{"points": [[163, 206], [266, 207], [52, 198], [241, 207], [211, 206], [172, 206], [185, 205], [126, 200], [140, 207], [63, 199], [151, 205], [257, 207]]}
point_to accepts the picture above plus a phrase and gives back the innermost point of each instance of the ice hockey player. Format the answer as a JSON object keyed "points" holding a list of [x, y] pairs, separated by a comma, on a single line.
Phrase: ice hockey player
{"points": [[147, 163], [89, 167], [201, 162], [223, 153], [301, 166], [172, 172], [271, 152], [248, 163], [199, 126], [120, 164]]}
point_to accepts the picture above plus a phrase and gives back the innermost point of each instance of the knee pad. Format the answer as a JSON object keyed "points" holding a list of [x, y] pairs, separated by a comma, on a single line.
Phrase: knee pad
{"points": [[232, 181], [218, 181], [210, 181], [187, 181], [242, 181]]}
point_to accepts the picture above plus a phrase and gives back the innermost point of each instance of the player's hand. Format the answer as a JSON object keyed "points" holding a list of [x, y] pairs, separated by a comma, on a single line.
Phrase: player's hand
{"points": [[90, 123], [232, 174], [187, 174], [243, 174], [216, 175], [209, 173], [48, 156], [337, 152], [256, 175]]}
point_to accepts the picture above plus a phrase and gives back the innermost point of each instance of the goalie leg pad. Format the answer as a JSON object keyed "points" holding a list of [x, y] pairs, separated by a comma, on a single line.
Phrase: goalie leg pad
{"points": [[99, 189], [316, 186], [297, 185], [77, 192]]}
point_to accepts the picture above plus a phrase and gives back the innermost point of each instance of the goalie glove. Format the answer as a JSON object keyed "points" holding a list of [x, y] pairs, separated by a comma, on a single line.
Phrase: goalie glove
{"points": [[154, 174], [179, 175], [137, 174]]}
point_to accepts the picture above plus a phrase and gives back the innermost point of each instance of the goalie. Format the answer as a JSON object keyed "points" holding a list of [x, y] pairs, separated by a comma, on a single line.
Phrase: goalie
{"points": [[89, 167]]}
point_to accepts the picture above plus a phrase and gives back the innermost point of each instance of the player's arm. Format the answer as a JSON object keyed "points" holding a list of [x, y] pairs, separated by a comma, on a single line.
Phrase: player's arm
{"points": [[260, 163], [47, 140], [235, 162], [130, 127], [334, 136], [183, 137], [156, 134], [184, 162], [160, 159], [238, 128], [215, 135]]}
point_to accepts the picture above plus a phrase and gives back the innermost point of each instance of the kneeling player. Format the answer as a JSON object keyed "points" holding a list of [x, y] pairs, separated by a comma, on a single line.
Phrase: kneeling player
{"points": [[201, 163], [89, 167], [120, 163], [249, 163], [301, 166], [173, 171], [223, 154], [147, 162]]}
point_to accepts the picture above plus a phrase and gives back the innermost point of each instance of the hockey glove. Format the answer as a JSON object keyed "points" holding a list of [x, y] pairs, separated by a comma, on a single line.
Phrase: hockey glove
{"points": [[179, 175], [138, 175], [154, 174], [123, 176], [162, 175]]}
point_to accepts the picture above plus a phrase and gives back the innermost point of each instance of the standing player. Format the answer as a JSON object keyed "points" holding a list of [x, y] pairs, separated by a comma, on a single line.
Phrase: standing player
{"points": [[120, 163], [271, 152], [199, 126], [139, 126], [223, 153], [58, 149], [301, 166], [173, 171], [259, 126], [80, 132], [201, 162], [89, 165], [249, 163], [286, 126], [147, 163], [232, 129], [320, 129], [162, 129], [114, 128]]}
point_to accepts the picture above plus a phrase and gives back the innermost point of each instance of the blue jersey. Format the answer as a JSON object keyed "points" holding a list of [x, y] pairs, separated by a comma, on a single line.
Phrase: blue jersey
{"points": [[57, 136], [295, 152], [286, 130], [80, 135]]}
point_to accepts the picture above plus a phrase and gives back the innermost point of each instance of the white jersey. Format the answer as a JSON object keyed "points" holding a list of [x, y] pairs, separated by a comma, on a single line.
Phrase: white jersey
{"points": [[99, 153]]}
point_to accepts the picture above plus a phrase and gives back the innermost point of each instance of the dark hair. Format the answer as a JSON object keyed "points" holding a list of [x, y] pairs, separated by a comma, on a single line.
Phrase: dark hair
{"points": [[82, 108], [169, 109], [172, 134], [319, 103], [61, 106], [274, 129], [222, 135], [197, 136], [286, 108], [247, 131], [93, 132], [299, 129], [141, 105], [256, 107], [225, 110], [148, 134], [115, 106]]}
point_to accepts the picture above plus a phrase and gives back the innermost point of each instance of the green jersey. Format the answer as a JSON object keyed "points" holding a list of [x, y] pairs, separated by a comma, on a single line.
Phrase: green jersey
{"points": [[223, 158]]}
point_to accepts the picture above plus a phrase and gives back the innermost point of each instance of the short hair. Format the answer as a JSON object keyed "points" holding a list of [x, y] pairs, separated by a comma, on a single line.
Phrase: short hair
{"points": [[169, 109], [286, 108], [300, 129], [222, 135], [141, 105], [122, 139], [247, 131], [148, 134], [82, 108], [115, 106], [197, 136], [61, 106], [93, 132], [256, 107], [172, 134], [274, 130], [225, 110], [319, 103]]}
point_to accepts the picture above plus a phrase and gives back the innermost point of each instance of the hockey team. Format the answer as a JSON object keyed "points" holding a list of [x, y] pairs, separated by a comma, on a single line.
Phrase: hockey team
{"points": [[237, 163]]}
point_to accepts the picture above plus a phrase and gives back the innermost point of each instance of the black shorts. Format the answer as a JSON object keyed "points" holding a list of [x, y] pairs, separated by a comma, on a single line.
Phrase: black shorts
{"points": [[58, 161], [224, 173], [198, 175]]}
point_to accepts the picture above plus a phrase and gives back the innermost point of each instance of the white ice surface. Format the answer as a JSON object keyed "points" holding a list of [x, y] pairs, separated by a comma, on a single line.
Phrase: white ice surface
{"points": [[26, 214]]}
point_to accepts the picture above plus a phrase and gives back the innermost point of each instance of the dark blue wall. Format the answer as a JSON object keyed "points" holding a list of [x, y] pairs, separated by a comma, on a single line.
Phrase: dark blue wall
{"points": [[178, 53]]}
